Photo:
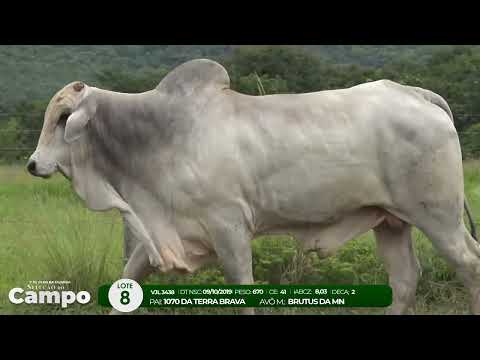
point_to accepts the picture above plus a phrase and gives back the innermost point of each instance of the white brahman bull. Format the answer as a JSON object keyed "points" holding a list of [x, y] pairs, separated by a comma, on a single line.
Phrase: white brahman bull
{"points": [[197, 170]]}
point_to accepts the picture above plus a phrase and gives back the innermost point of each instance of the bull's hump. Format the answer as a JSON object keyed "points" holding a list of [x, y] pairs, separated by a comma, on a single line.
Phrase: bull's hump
{"points": [[194, 76]]}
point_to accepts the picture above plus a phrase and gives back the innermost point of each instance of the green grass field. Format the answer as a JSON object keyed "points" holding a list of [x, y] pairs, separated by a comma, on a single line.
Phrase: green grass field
{"points": [[47, 234]]}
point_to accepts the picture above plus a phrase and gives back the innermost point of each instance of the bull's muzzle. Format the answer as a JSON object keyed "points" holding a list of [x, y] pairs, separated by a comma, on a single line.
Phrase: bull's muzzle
{"points": [[33, 169]]}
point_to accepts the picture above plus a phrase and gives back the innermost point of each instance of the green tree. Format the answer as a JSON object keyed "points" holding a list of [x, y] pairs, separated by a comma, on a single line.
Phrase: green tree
{"points": [[10, 140], [254, 85], [470, 142], [116, 79], [301, 70]]}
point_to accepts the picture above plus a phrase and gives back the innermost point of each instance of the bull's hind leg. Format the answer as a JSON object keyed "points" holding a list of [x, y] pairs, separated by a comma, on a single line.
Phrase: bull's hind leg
{"points": [[430, 193], [463, 253], [394, 246]]}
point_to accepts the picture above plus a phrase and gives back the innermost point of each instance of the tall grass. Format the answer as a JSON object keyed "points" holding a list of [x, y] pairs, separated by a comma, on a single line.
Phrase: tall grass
{"points": [[47, 234]]}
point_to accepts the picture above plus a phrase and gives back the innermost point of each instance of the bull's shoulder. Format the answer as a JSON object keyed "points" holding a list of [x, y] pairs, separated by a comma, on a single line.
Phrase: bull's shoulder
{"points": [[194, 76]]}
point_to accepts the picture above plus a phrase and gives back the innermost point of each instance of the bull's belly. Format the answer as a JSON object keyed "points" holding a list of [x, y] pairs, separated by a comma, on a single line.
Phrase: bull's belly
{"points": [[324, 207], [326, 238], [319, 197]]}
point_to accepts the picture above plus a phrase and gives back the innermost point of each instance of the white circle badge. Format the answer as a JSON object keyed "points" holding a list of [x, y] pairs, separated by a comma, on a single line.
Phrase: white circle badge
{"points": [[125, 295]]}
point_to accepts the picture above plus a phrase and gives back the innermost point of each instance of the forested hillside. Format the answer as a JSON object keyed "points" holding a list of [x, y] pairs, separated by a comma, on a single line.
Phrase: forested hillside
{"points": [[28, 72], [30, 75]]}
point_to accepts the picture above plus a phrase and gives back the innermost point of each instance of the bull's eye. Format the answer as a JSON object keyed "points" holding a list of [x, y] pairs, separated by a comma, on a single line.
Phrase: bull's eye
{"points": [[63, 120]]}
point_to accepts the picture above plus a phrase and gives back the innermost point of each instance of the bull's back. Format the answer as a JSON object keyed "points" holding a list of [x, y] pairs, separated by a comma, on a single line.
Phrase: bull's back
{"points": [[308, 156]]}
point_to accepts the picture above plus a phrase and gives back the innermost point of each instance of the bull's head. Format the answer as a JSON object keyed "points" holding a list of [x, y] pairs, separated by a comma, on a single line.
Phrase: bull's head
{"points": [[65, 119]]}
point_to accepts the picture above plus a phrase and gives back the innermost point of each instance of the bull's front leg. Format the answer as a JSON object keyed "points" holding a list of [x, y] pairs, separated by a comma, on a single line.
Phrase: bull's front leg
{"points": [[138, 268], [129, 243], [233, 248], [137, 230]]}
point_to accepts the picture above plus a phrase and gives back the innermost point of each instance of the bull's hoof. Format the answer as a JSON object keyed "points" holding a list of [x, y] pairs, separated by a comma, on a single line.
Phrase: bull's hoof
{"points": [[155, 262], [397, 310], [116, 312], [247, 311], [324, 253]]}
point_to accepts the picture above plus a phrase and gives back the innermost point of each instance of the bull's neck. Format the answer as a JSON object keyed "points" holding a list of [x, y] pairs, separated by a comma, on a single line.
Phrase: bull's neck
{"points": [[116, 102], [126, 124]]}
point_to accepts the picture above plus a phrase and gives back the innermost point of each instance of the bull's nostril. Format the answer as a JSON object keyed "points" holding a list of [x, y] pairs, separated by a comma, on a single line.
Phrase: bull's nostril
{"points": [[31, 166]]}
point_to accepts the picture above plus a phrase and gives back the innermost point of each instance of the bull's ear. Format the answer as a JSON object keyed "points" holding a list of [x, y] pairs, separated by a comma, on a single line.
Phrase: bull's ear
{"points": [[75, 126]]}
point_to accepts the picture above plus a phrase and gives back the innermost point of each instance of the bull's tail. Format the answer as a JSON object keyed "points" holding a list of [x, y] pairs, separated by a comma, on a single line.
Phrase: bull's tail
{"points": [[434, 98], [473, 230], [441, 103]]}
